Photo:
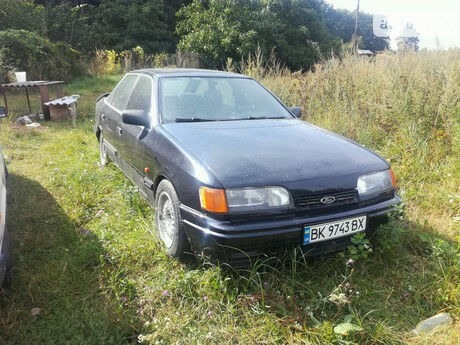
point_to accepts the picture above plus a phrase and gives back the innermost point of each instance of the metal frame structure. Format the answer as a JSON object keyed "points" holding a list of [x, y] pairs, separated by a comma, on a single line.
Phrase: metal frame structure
{"points": [[43, 90]]}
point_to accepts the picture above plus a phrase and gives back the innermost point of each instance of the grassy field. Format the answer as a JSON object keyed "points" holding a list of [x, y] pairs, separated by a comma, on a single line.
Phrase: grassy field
{"points": [[88, 268]]}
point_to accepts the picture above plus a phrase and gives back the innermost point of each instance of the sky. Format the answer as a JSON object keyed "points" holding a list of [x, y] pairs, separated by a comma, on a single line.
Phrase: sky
{"points": [[436, 21]]}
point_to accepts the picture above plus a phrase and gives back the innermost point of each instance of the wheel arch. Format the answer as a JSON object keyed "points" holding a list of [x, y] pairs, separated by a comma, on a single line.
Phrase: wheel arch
{"points": [[157, 181]]}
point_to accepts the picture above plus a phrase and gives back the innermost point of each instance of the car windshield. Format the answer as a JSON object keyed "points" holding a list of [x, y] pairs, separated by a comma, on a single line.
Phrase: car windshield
{"points": [[184, 99]]}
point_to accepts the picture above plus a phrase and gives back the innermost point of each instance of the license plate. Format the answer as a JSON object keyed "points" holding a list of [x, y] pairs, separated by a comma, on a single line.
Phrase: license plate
{"points": [[327, 231]]}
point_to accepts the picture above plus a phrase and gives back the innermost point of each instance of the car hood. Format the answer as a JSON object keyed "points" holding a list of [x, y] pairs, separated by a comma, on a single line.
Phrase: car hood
{"points": [[268, 152]]}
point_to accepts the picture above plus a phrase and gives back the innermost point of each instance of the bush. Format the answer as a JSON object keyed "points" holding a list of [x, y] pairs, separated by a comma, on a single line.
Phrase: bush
{"points": [[41, 59], [3, 67], [109, 62], [104, 62]]}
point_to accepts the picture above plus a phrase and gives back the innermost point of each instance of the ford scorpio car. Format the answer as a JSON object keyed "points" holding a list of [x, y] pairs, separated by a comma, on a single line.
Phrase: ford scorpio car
{"points": [[230, 169]]}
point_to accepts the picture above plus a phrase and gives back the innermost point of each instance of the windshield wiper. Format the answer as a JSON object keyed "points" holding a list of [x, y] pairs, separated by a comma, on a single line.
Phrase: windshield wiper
{"points": [[263, 117], [200, 119], [192, 119]]}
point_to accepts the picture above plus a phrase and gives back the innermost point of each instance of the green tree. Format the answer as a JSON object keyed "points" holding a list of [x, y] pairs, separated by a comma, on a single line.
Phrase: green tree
{"points": [[126, 24], [72, 22], [42, 59], [293, 30], [113, 24], [219, 29], [21, 14], [302, 38]]}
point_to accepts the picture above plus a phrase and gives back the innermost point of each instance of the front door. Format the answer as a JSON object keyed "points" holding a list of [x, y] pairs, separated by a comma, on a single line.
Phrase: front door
{"points": [[132, 138]]}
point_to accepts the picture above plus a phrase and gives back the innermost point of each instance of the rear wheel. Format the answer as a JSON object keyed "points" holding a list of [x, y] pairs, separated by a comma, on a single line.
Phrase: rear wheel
{"points": [[167, 220], [103, 157]]}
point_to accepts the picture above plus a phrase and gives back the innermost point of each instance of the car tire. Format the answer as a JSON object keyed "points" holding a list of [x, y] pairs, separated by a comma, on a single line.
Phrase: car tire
{"points": [[103, 156], [168, 226]]}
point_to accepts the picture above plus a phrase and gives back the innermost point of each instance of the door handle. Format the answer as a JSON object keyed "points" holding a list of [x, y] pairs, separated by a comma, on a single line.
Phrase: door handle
{"points": [[119, 130]]}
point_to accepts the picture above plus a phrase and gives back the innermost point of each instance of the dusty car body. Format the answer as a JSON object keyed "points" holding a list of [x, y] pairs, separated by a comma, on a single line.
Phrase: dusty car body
{"points": [[227, 165]]}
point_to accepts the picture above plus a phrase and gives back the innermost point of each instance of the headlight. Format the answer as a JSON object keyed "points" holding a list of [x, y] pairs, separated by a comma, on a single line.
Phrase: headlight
{"points": [[248, 199], [376, 183]]}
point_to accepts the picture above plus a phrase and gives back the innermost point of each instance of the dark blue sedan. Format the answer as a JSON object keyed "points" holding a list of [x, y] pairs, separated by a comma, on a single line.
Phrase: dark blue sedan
{"points": [[230, 169]]}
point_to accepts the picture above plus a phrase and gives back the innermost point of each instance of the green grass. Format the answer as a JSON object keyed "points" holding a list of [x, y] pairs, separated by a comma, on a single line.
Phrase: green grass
{"points": [[85, 253]]}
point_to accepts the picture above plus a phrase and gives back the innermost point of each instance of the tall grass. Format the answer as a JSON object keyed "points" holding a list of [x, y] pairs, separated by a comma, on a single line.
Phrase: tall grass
{"points": [[405, 106]]}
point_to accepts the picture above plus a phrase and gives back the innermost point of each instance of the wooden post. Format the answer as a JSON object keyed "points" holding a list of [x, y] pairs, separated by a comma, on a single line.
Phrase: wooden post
{"points": [[59, 91], [44, 97], [28, 100]]}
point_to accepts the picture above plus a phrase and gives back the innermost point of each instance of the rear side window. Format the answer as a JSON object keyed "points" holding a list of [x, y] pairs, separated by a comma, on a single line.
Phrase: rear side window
{"points": [[120, 96], [142, 95]]}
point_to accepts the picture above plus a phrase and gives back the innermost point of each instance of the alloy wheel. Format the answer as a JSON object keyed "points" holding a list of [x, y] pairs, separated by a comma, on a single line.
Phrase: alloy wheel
{"points": [[166, 219]]}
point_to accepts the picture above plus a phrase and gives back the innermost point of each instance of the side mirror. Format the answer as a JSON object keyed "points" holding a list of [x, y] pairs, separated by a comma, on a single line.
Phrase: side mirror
{"points": [[296, 111], [134, 117], [2, 112]]}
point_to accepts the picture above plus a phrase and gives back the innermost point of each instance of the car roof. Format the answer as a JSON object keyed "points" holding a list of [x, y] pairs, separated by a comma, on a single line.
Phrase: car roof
{"points": [[187, 72]]}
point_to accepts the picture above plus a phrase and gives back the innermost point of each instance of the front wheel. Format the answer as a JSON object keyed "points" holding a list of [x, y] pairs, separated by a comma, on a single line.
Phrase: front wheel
{"points": [[167, 220]]}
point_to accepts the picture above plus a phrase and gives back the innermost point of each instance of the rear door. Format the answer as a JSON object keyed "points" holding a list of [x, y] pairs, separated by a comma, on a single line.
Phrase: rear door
{"points": [[111, 111]]}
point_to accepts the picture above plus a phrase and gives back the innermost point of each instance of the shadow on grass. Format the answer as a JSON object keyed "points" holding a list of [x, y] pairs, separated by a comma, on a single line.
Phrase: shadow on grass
{"points": [[55, 296]]}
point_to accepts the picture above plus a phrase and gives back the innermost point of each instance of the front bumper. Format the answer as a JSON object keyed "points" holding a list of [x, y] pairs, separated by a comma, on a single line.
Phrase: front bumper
{"points": [[210, 235]]}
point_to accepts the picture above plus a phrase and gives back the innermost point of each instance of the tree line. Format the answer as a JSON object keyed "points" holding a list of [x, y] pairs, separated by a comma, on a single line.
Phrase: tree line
{"points": [[297, 32]]}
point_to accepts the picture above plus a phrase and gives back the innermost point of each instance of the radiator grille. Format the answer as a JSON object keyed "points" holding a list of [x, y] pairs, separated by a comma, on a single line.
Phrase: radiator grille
{"points": [[314, 201]]}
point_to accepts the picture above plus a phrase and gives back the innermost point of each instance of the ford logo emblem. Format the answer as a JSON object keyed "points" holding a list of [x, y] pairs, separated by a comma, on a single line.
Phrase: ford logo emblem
{"points": [[328, 199]]}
